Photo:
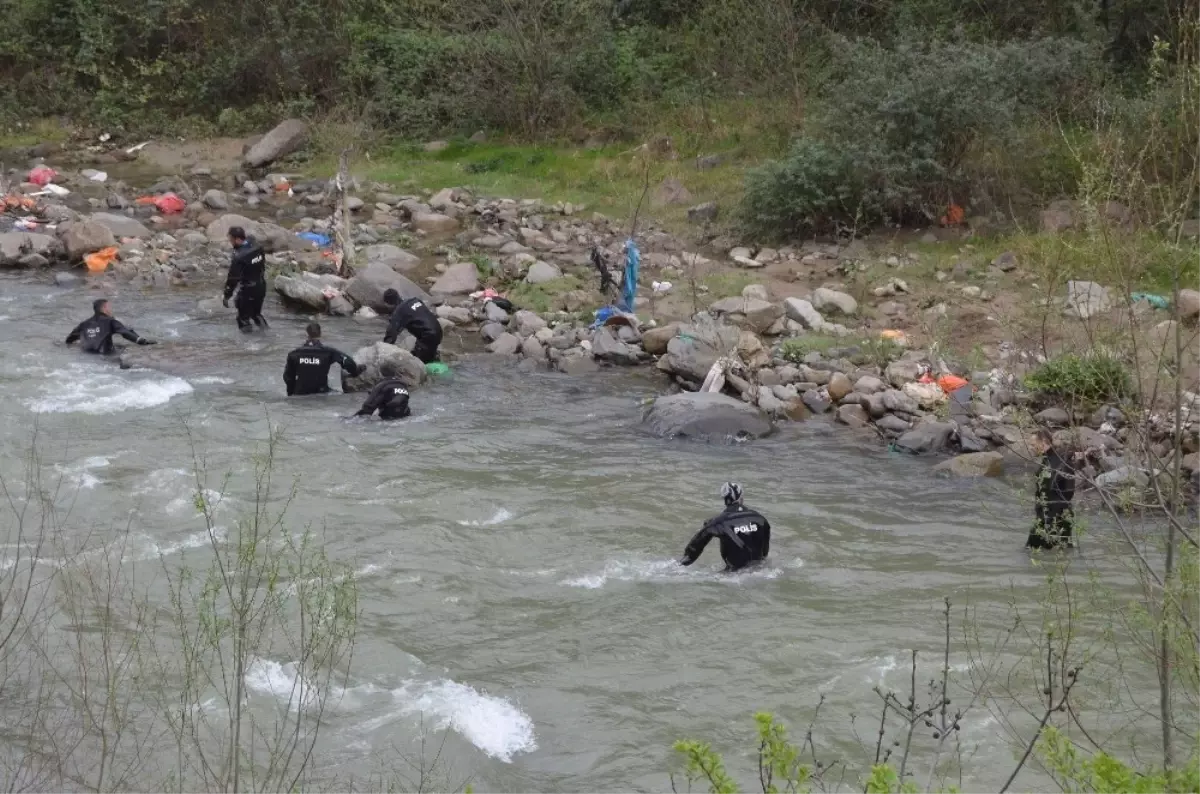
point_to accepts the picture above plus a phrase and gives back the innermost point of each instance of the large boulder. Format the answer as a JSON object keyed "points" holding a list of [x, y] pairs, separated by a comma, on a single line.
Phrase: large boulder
{"points": [[433, 222], [303, 293], [655, 340], [381, 361], [1086, 298], [973, 464], [694, 349], [926, 437], [803, 312], [122, 225], [393, 256], [460, 278], [367, 287], [606, 347], [751, 313], [218, 230], [706, 416], [14, 246], [541, 272], [286, 138], [1189, 305], [81, 238], [830, 299]]}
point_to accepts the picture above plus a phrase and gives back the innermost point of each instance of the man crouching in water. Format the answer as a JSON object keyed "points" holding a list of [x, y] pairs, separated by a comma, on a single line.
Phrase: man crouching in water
{"points": [[745, 534], [307, 369], [389, 397], [96, 333]]}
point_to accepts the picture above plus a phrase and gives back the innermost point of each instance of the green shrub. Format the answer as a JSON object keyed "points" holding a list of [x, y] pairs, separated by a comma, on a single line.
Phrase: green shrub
{"points": [[864, 351], [1091, 379]]}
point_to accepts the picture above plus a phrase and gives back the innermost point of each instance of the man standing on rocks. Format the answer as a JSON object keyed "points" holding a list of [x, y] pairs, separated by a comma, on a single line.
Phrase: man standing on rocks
{"points": [[307, 369], [1054, 518], [745, 534], [389, 397], [414, 316], [247, 274], [97, 332]]}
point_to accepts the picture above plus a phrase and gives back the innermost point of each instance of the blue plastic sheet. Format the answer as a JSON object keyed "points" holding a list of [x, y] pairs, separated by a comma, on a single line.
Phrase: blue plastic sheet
{"points": [[322, 240], [633, 258]]}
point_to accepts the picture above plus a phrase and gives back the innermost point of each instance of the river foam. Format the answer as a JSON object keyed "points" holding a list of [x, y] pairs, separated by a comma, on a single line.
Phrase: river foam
{"points": [[88, 390], [668, 571]]}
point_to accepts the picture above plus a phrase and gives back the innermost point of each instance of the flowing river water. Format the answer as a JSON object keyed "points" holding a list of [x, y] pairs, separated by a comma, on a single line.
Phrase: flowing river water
{"points": [[514, 544]]}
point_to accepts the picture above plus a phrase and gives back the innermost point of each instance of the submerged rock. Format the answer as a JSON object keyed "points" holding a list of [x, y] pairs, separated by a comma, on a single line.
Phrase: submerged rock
{"points": [[973, 464], [706, 416], [381, 361]]}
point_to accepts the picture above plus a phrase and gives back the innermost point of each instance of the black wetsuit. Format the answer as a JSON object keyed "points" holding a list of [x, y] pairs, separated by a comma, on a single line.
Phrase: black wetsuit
{"points": [[247, 274], [745, 537], [1054, 518], [307, 370], [415, 316], [390, 398], [97, 334]]}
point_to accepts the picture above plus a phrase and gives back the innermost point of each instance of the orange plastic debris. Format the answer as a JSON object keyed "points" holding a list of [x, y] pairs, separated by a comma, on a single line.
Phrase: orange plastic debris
{"points": [[951, 383], [145, 200], [954, 216], [170, 204], [99, 261]]}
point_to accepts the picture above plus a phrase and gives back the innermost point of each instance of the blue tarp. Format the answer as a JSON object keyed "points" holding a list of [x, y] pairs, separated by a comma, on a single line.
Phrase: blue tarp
{"points": [[633, 258], [321, 240]]}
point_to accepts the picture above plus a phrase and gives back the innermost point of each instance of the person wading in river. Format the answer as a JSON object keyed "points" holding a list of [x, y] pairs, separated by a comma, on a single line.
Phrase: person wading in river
{"points": [[247, 274], [96, 333], [307, 369], [414, 316], [389, 397], [745, 533], [1053, 517]]}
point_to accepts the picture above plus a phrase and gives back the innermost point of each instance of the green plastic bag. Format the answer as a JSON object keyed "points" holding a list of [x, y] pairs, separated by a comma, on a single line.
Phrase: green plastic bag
{"points": [[437, 368]]}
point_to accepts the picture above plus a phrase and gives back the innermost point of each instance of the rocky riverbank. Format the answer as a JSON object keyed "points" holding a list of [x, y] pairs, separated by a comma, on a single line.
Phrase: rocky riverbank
{"points": [[449, 246]]}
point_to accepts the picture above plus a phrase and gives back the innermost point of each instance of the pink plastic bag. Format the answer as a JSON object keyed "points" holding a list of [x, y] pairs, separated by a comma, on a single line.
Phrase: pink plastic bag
{"points": [[42, 175], [169, 204]]}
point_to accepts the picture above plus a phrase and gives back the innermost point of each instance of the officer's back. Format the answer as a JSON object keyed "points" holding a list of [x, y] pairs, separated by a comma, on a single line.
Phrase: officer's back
{"points": [[307, 369]]}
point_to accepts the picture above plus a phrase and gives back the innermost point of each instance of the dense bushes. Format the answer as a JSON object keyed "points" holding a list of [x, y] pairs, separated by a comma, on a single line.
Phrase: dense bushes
{"points": [[898, 123], [1089, 380]]}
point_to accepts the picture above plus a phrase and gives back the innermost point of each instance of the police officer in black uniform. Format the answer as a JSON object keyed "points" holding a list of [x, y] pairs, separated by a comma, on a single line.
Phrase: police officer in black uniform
{"points": [[414, 316], [307, 369], [745, 534], [1054, 518], [96, 333], [247, 274], [390, 398]]}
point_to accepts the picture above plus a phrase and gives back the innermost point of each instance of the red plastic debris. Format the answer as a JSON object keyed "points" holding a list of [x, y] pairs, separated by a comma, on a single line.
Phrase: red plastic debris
{"points": [[42, 175]]}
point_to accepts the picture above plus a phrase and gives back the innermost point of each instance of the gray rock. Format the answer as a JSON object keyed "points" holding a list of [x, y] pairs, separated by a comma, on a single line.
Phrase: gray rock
{"points": [[655, 340], [1085, 439], [122, 225], [869, 384], [287, 137], [494, 313], [528, 323], [576, 365], [532, 348], [969, 441], [1123, 476], [457, 315], [340, 306], [1086, 298], [393, 256], [84, 237], [852, 415], [607, 347], [751, 313], [816, 401], [218, 230], [35, 261], [366, 288], [1006, 262], [898, 402], [769, 403], [63, 279], [1189, 305], [16, 245], [973, 464], [786, 393], [803, 312], [693, 350], [929, 436], [491, 331], [703, 213], [707, 416], [215, 200], [1059, 216], [1053, 417], [541, 272], [505, 345], [460, 278], [892, 424], [756, 292], [381, 361], [433, 222], [828, 299], [301, 292], [671, 191], [810, 374], [901, 372], [839, 386], [193, 240]]}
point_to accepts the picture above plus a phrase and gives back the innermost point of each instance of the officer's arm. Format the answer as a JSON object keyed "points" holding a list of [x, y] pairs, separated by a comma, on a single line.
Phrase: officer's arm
{"points": [[374, 400], [766, 543], [395, 325], [75, 334], [347, 364], [289, 374], [696, 546], [235, 275], [120, 328]]}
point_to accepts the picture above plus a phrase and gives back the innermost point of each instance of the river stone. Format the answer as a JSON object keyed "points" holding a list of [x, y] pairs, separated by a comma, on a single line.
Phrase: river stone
{"points": [[756, 315], [839, 386], [1085, 439], [301, 292], [84, 237], [1053, 417], [826, 299], [703, 213], [491, 331], [607, 347], [1086, 298], [215, 200], [576, 364], [1123, 476], [1189, 305], [899, 373], [892, 424], [692, 351], [366, 288], [898, 401], [706, 416], [433, 222], [816, 401], [532, 348], [803, 312], [16, 245], [457, 315], [64, 279], [381, 361], [505, 345], [460, 278], [852, 415], [969, 440], [494, 313], [655, 340], [930, 436], [973, 464], [527, 323], [869, 384], [541, 272], [340, 306], [218, 230], [393, 256], [122, 225], [285, 138]]}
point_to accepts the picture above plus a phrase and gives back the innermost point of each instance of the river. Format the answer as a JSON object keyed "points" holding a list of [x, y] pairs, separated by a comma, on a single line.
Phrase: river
{"points": [[514, 544]]}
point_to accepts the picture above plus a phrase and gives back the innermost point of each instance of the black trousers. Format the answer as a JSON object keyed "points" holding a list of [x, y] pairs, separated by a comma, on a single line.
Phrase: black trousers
{"points": [[1052, 528], [249, 306], [426, 348]]}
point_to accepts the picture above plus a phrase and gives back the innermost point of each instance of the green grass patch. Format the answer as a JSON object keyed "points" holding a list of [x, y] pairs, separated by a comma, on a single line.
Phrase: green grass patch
{"points": [[859, 350], [542, 298], [728, 284], [32, 133]]}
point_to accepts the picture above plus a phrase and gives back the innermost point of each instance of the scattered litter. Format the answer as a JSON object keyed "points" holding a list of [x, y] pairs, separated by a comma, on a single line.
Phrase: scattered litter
{"points": [[1157, 301], [951, 383], [321, 240], [661, 287], [96, 176], [485, 294], [137, 147], [53, 190], [893, 335], [169, 204], [105, 137], [100, 260], [42, 175], [26, 225]]}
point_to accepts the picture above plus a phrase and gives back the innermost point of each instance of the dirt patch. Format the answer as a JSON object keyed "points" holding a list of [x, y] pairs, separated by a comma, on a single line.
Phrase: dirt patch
{"points": [[217, 154]]}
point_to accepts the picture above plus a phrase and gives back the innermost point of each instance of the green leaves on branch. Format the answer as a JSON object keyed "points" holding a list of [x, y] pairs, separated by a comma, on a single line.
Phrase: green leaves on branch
{"points": [[1092, 379]]}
